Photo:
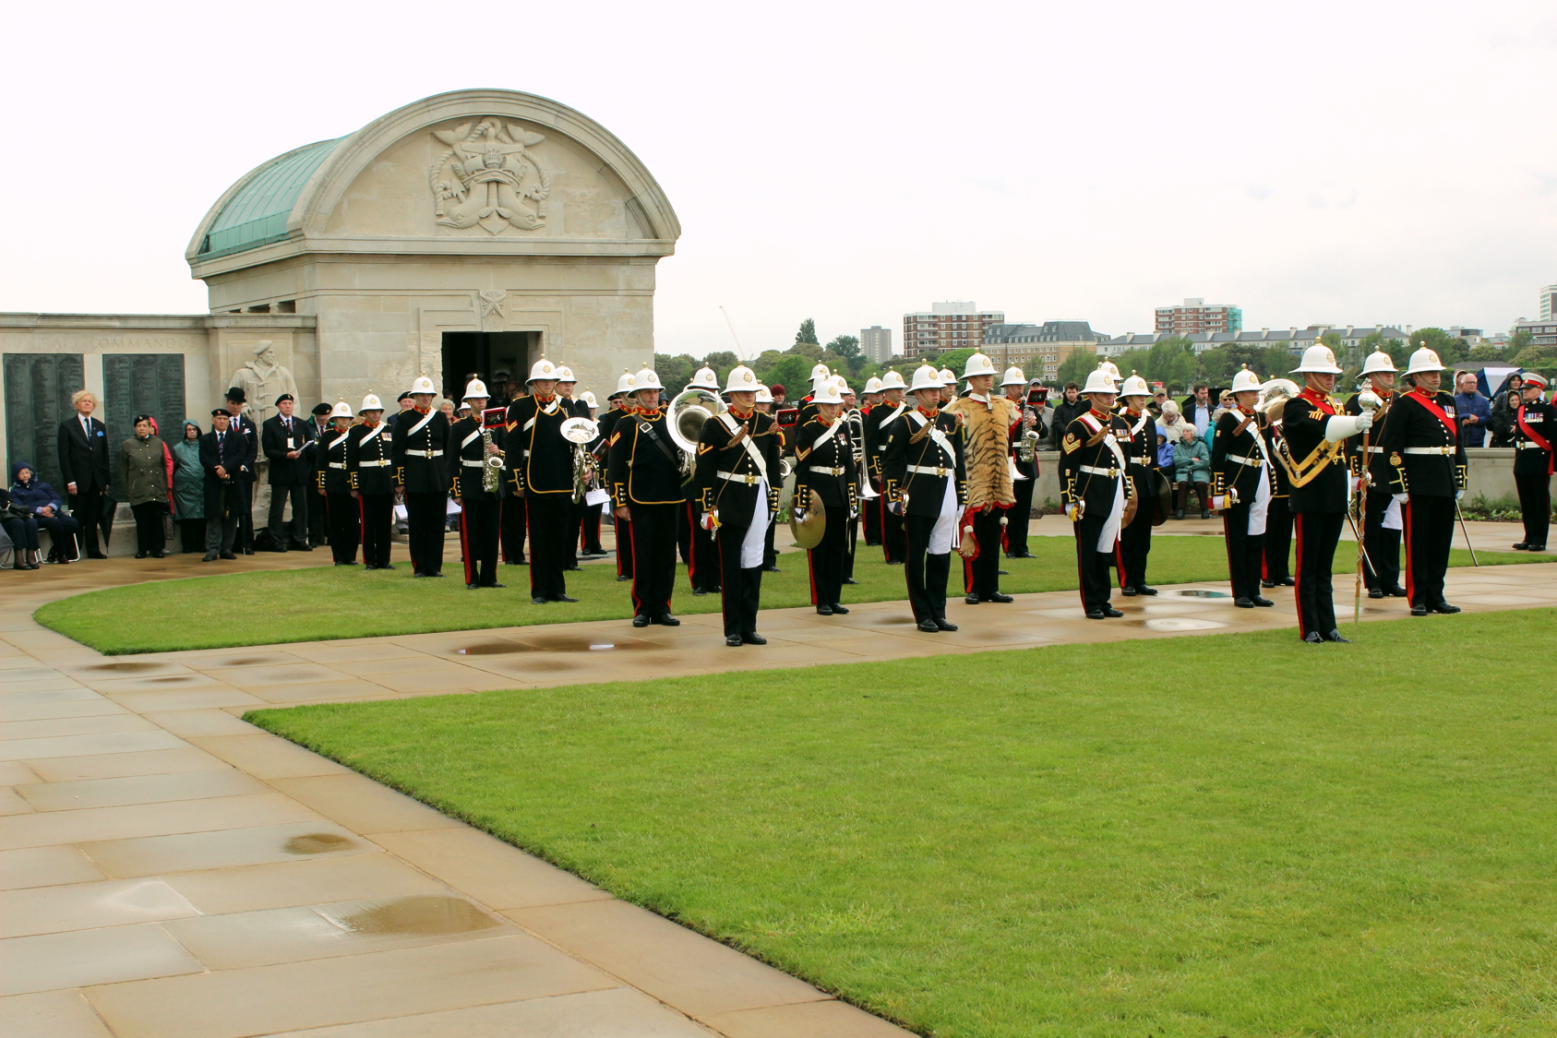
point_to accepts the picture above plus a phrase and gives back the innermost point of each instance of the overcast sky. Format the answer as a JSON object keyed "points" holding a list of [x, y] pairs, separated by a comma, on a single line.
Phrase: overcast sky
{"points": [[1343, 163]]}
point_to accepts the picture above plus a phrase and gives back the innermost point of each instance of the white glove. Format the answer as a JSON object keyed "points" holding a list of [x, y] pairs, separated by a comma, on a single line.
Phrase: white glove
{"points": [[1344, 425], [1402, 498], [706, 520], [1070, 510], [1218, 502], [1459, 495]]}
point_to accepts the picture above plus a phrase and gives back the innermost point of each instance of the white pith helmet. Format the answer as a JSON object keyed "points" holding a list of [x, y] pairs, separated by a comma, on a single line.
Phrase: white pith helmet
{"points": [[818, 371], [1246, 381], [1377, 362], [370, 403], [625, 383], [477, 388], [704, 379], [873, 385], [742, 380], [589, 398], [1014, 377], [645, 379], [946, 377], [422, 385], [978, 364], [764, 395], [925, 377], [1110, 369], [565, 374], [542, 370], [892, 380], [1423, 360], [341, 410], [1135, 385], [842, 384], [827, 393], [1099, 382], [1318, 359]]}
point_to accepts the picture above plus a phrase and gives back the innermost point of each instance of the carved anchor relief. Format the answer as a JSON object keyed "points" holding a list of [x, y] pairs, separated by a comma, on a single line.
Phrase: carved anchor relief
{"points": [[486, 176]]}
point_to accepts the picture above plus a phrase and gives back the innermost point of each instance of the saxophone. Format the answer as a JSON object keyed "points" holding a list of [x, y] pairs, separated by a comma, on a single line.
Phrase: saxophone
{"points": [[1027, 449], [492, 469]]}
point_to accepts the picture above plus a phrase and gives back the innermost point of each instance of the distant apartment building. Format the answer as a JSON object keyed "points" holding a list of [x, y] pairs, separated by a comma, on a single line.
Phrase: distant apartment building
{"points": [[1542, 333], [947, 326], [1195, 316], [876, 343], [1549, 303], [1297, 339], [1039, 349]]}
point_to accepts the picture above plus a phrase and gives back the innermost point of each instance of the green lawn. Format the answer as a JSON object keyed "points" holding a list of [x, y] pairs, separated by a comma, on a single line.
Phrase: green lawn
{"points": [[344, 602], [1188, 837]]}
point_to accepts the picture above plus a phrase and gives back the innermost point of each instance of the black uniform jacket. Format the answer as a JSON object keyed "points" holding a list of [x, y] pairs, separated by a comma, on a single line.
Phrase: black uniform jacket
{"points": [[1530, 457], [726, 476], [881, 423], [538, 459], [1377, 461], [915, 465], [285, 471], [1089, 468], [1303, 420], [414, 470], [1140, 445], [467, 454], [370, 458], [1236, 457], [1018, 431], [244, 425], [83, 459], [826, 467], [1425, 456], [333, 476], [642, 469], [1280, 484]]}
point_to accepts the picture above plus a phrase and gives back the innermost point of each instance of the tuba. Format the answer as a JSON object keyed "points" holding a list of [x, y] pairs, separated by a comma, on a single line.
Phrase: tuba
{"points": [[684, 418], [586, 474]]}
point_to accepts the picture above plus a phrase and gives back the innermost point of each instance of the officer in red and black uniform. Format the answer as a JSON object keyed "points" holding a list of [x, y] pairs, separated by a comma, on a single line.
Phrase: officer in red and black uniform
{"points": [[881, 427], [1370, 478], [824, 460], [1421, 439], [925, 482], [470, 457], [539, 467], [421, 435], [643, 474], [1534, 426], [1140, 447], [1241, 488], [334, 484], [1095, 489], [370, 464], [1315, 434]]}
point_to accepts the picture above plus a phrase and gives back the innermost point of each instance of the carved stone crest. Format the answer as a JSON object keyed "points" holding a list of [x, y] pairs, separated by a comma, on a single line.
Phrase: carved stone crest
{"points": [[487, 176]]}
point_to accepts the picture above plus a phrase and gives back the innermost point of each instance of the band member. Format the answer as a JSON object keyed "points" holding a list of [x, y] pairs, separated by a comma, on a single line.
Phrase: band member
{"points": [[513, 516], [696, 541], [1381, 519], [851, 417], [824, 462], [369, 461], [624, 398], [341, 511], [925, 481], [284, 440], [881, 427], [589, 546], [472, 448], [1421, 439], [1534, 425], [737, 464], [948, 385], [1095, 489], [873, 512], [1014, 387], [539, 469], [643, 474], [420, 436], [1315, 432], [1241, 488], [769, 554], [987, 421], [566, 384], [1140, 447]]}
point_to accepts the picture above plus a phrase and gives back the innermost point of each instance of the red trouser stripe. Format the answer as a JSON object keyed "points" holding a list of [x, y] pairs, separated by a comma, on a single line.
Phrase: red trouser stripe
{"points": [[1119, 562], [637, 600], [1227, 541], [811, 572], [881, 504]]}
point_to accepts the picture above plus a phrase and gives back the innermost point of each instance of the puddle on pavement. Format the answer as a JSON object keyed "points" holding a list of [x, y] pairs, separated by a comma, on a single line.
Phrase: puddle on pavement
{"points": [[249, 661], [317, 843], [176, 679], [1198, 593], [896, 619], [422, 915], [1176, 623], [124, 668], [556, 643]]}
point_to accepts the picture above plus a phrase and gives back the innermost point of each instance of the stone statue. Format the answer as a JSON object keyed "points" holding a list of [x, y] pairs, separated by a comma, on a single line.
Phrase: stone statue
{"points": [[262, 381]]}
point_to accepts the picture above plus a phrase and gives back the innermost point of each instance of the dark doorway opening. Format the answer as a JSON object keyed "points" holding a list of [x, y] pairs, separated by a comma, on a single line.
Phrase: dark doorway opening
{"points": [[485, 355]]}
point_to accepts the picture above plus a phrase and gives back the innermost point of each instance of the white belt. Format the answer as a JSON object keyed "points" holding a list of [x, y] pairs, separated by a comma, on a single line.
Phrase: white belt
{"points": [[426, 454], [372, 464], [1528, 445], [1374, 449], [827, 470], [1427, 450], [1241, 460], [1140, 461], [739, 478], [337, 464], [478, 463], [1093, 470], [931, 470]]}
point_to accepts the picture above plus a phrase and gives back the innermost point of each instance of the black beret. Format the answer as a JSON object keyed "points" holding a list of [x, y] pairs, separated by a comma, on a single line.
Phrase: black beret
{"points": [[285, 396], [220, 411], [402, 396], [236, 394], [322, 409]]}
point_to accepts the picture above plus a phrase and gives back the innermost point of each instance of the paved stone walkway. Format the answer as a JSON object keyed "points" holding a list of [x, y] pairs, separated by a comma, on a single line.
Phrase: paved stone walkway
{"points": [[168, 871]]}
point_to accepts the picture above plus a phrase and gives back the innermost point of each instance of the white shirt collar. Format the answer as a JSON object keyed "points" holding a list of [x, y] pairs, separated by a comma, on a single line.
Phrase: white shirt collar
{"points": [[980, 398]]}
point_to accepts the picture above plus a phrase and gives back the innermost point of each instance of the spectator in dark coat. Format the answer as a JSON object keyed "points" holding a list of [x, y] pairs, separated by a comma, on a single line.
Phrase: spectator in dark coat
{"points": [[222, 453], [1505, 412], [21, 526], [284, 439], [143, 477], [1473, 410], [1196, 409], [84, 463], [31, 493], [189, 488], [1069, 409]]}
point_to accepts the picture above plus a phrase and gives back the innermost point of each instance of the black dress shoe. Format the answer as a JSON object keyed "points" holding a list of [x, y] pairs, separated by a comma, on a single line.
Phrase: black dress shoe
{"points": [[1144, 589], [1522, 546], [368, 567], [229, 556], [140, 555], [824, 610], [1109, 610], [1267, 583], [771, 569], [1313, 638], [96, 555], [929, 627], [515, 562], [699, 592], [1536, 547], [1396, 592], [734, 641], [435, 576], [1003, 572], [894, 562], [1094, 614], [387, 566], [972, 600], [1263, 602], [850, 580], [944, 624], [538, 600], [299, 546], [1419, 610], [1244, 603], [494, 585], [753, 638], [641, 620], [210, 556], [248, 551], [669, 621], [1128, 592], [1446, 609], [1335, 636], [1287, 582], [840, 610], [623, 576], [563, 598], [1375, 592], [1000, 596], [472, 587]]}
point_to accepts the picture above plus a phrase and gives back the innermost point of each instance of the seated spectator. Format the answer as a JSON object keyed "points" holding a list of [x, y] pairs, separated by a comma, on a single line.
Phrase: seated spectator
{"points": [[1165, 453], [39, 498], [1473, 410], [189, 489], [1192, 465], [21, 526], [143, 479], [7, 550]]}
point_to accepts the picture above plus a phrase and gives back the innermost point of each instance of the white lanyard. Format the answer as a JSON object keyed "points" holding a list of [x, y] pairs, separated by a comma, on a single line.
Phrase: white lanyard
{"points": [[418, 426]]}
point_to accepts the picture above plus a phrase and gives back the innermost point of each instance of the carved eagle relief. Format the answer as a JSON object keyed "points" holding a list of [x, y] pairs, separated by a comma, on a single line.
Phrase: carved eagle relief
{"points": [[487, 176]]}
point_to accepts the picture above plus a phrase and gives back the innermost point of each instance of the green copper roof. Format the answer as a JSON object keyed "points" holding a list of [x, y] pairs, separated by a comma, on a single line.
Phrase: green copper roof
{"points": [[257, 212]]}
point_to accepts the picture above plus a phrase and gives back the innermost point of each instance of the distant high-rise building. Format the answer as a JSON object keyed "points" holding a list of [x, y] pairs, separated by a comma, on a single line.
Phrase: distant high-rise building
{"points": [[948, 326], [1549, 302], [876, 343], [1196, 316]]}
